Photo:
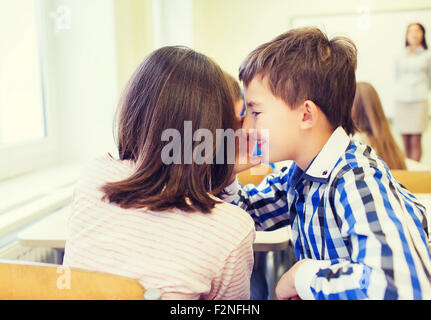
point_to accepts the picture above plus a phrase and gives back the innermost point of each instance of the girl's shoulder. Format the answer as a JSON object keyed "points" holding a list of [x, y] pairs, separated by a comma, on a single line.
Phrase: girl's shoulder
{"points": [[103, 169], [236, 216]]}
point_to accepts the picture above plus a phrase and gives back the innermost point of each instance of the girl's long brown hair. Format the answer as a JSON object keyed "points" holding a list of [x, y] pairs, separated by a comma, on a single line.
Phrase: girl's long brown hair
{"points": [[370, 118], [172, 85]]}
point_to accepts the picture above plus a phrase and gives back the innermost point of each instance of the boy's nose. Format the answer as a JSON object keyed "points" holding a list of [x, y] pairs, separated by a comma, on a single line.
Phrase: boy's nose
{"points": [[247, 123]]}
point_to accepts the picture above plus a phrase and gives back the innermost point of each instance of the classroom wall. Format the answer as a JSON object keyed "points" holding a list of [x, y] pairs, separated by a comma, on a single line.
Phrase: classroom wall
{"points": [[133, 34], [223, 29], [81, 76], [90, 63], [142, 26], [173, 23], [228, 30]]}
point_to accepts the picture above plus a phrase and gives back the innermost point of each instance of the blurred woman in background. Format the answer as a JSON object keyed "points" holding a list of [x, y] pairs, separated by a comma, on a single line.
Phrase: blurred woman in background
{"points": [[413, 81]]}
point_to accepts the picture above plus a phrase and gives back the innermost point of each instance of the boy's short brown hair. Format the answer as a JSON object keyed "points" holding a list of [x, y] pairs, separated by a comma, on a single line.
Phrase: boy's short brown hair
{"points": [[303, 64]]}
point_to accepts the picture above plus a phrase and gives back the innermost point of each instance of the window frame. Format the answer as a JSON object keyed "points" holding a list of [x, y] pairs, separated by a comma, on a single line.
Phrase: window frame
{"points": [[27, 156]]}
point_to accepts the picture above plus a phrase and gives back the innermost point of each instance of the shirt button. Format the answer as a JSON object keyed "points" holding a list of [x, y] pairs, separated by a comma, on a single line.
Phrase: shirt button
{"points": [[325, 173]]}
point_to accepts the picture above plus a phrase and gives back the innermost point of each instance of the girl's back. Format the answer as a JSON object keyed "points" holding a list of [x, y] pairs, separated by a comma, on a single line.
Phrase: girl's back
{"points": [[186, 255], [152, 214]]}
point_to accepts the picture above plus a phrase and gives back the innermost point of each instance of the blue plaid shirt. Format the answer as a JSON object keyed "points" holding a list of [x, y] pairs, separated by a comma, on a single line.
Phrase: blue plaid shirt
{"points": [[365, 233]]}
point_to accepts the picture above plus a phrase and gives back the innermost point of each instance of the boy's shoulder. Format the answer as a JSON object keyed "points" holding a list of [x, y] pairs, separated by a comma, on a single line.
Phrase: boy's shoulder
{"points": [[359, 159]]}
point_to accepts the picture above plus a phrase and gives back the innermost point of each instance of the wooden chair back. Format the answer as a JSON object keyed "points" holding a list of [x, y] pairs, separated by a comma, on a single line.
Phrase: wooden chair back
{"points": [[38, 281], [414, 181], [254, 175]]}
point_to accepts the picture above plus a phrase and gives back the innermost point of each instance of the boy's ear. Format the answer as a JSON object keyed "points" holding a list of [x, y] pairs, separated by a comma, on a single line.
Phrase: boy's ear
{"points": [[309, 113]]}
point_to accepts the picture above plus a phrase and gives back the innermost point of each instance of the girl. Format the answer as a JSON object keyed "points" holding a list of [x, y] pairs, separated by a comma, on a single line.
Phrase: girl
{"points": [[369, 117], [238, 96], [144, 218]]}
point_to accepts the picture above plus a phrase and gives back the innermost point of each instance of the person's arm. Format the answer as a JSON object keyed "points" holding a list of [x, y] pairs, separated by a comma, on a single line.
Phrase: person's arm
{"points": [[429, 71], [267, 203], [390, 258]]}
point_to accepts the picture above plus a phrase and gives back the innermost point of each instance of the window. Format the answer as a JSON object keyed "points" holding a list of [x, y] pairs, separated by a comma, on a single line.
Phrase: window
{"points": [[23, 126], [21, 107]]}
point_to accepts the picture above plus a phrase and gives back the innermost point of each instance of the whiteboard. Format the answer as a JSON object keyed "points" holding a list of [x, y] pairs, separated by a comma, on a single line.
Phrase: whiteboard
{"points": [[379, 37]]}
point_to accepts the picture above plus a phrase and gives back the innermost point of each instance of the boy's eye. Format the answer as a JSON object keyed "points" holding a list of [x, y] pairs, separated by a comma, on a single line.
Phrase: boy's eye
{"points": [[254, 113]]}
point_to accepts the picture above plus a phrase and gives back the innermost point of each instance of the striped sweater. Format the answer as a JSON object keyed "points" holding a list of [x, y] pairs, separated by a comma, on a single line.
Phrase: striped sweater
{"points": [[186, 255]]}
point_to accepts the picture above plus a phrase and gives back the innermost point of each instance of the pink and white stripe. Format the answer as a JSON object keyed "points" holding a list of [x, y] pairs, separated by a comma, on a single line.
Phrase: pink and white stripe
{"points": [[186, 255]]}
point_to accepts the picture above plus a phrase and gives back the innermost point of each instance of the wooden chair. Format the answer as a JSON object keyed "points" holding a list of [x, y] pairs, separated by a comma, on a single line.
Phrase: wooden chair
{"points": [[38, 281], [254, 175], [414, 181]]}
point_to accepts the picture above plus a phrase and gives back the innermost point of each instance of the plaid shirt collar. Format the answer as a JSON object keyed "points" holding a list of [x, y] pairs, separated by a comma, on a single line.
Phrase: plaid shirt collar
{"points": [[320, 168]]}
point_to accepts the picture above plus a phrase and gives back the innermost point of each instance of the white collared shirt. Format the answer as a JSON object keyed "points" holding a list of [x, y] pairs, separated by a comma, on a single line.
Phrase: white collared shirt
{"points": [[325, 161], [413, 75]]}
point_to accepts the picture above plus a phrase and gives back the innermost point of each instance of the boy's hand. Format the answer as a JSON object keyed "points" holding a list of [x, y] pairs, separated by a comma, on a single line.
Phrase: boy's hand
{"points": [[244, 158], [285, 289], [246, 145]]}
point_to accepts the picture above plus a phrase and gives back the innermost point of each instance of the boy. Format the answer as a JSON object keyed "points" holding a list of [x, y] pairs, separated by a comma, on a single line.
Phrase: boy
{"points": [[357, 233]]}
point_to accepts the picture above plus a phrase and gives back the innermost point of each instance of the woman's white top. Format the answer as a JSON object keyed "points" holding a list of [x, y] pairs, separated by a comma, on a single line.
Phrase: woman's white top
{"points": [[413, 75]]}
